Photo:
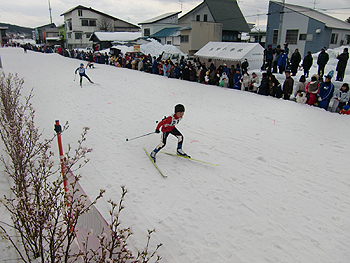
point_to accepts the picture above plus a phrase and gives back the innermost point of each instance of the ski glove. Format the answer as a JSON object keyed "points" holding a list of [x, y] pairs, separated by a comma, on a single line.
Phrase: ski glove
{"points": [[157, 131], [319, 99]]}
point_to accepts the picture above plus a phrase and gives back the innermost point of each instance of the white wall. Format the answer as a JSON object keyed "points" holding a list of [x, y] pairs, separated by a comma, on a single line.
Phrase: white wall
{"points": [[204, 10], [293, 20], [159, 25]]}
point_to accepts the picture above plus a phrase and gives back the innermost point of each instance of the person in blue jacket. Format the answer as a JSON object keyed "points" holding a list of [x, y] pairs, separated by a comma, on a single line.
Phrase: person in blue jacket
{"points": [[326, 93], [82, 74], [237, 79], [282, 61]]}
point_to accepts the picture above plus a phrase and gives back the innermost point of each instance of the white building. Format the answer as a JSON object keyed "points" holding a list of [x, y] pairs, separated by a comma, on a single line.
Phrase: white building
{"points": [[81, 22], [155, 24]]}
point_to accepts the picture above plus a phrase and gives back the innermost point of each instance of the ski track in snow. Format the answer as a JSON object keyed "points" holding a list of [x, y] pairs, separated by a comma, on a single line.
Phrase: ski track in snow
{"points": [[280, 194]]}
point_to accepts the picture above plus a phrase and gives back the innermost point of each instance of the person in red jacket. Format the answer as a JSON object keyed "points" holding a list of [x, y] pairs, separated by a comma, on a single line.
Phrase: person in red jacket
{"points": [[167, 126], [345, 110]]}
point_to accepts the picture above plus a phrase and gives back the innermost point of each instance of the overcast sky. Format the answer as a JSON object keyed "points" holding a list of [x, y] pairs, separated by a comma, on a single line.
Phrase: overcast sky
{"points": [[35, 13]]}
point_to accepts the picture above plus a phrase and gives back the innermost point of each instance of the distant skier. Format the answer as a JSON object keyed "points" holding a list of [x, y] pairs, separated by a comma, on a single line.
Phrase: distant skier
{"points": [[82, 74], [167, 125]]}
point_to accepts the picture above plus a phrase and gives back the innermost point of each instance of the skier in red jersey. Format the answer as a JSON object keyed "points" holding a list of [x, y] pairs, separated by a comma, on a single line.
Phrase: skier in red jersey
{"points": [[167, 126]]}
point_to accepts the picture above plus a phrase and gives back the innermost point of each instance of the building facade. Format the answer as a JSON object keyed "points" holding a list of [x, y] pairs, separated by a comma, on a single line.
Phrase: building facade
{"points": [[81, 22], [155, 24], [304, 28], [212, 20]]}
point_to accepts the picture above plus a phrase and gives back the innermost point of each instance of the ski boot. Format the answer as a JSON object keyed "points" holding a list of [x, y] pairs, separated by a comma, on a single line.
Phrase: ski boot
{"points": [[153, 155], [182, 153]]}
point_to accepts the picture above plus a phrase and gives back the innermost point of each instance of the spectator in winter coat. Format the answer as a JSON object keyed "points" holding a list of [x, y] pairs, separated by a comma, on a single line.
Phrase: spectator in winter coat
{"points": [[307, 63], [286, 49], [277, 52], [341, 66], [231, 75], [295, 60], [301, 97], [226, 70], [237, 79], [322, 60], [264, 86], [341, 97], [254, 83], [269, 57], [275, 87], [245, 66], [245, 80], [223, 82], [345, 110], [282, 61], [312, 88], [288, 86], [166, 69], [301, 85], [326, 93], [155, 66]]}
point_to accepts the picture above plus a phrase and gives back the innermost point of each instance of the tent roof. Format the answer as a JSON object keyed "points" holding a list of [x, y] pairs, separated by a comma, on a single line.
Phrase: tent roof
{"points": [[231, 51], [115, 36]]}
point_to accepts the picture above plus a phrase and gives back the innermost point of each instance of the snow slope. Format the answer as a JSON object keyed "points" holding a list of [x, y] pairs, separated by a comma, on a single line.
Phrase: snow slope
{"points": [[280, 194]]}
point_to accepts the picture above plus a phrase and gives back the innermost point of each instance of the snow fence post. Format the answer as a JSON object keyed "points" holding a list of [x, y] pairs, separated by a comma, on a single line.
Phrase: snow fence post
{"points": [[58, 130]]}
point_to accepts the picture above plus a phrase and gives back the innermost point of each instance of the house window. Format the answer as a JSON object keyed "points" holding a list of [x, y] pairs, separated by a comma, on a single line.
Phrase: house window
{"points": [[292, 36], [334, 39], [184, 39], [85, 22], [147, 32], [168, 42], [78, 35], [92, 22], [198, 18], [80, 12], [205, 19], [306, 37], [275, 37], [70, 25], [69, 35]]}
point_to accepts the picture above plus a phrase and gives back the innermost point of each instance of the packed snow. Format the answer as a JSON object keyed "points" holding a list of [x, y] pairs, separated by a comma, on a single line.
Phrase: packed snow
{"points": [[280, 194], [153, 47]]}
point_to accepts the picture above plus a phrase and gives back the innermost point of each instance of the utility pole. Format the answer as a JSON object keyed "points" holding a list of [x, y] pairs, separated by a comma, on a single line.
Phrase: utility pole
{"points": [[281, 24], [181, 4], [50, 12]]}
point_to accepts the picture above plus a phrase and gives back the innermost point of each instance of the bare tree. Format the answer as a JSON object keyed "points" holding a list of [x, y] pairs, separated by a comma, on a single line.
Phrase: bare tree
{"points": [[105, 24]]}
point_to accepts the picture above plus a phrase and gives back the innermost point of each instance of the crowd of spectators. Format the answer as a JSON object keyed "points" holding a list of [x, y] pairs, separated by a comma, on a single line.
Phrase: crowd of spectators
{"points": [[316, 92]]}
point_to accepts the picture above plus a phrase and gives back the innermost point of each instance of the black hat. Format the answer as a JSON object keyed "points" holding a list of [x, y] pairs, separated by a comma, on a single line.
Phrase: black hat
{"points": [[179, 108]]}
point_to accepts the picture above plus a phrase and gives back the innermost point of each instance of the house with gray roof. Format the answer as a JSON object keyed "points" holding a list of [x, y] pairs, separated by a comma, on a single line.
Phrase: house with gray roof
{"points": [[81, 21], [155, 24], [169, 36], [212, 20], [304, 28]]}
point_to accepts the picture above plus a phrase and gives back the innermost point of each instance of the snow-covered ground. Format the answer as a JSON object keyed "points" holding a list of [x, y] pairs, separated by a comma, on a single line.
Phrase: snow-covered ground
{"points": [[280, 194]]}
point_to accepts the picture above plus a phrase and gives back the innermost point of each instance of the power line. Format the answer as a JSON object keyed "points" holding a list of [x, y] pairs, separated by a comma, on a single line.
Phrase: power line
{"points": [[18, 15]]}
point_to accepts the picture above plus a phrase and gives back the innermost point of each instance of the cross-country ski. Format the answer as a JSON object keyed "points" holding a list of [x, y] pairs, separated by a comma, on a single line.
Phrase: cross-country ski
{"points": [[155, 165], [190, 158]]}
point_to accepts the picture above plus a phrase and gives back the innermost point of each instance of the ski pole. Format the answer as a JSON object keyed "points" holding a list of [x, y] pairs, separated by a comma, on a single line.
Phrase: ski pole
{"points": [[139, 136], [75, 76]]}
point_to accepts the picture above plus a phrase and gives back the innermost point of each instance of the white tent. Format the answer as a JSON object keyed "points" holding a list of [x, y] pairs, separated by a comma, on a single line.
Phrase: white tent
{"points": [[232, 53]]}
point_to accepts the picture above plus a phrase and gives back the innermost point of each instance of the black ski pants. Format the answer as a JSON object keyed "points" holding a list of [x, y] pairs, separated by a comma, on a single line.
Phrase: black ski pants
{"points": [[165, 135]]}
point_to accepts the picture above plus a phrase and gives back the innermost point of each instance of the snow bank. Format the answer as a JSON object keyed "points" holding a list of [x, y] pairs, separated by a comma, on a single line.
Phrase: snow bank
{"points": [[153, 47]]}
